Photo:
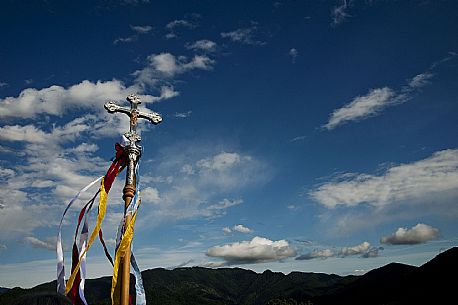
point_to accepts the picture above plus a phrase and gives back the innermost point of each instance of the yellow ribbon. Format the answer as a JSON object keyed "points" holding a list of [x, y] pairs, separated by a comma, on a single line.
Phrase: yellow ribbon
{"points": [[95, 232], [122, 249]]}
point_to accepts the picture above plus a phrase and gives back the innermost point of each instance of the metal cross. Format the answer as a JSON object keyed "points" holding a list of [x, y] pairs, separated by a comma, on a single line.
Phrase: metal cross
{"points": [[133, 149], [133, 113]]}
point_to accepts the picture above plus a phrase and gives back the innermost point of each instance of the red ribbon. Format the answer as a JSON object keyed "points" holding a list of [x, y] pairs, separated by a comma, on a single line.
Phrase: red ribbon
{"points": [[120, 160]]}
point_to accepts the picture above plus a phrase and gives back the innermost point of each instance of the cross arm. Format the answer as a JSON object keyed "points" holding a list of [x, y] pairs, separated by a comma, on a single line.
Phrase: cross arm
{"points": [[111, 107], [153, 117]]}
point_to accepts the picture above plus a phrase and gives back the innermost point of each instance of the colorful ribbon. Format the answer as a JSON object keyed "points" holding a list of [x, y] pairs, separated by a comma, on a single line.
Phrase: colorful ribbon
{"points": [[59, 249], [76, 282], [100, 217], [122, 249]]}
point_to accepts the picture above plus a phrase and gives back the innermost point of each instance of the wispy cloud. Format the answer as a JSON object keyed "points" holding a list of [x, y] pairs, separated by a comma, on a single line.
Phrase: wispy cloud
{"points": [[202, 45], [434, 175], [183, 115], [173, 26], [339, 13], [56, 100], [141, 29], [257, 250], [128, 39], [238, 228], [242, 229], [227, 230], [165, 65], [180, 23], [323, 254], [420, 233], [377, 100], [293, 53], [298, 138], [138, 30], [244, 36], [364, 250], [61, 157], [203, 183], [362, 107], [49, 244]]}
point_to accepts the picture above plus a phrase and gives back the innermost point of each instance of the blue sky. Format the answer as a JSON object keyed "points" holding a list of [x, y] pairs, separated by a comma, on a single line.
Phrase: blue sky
{"points": [[316, 136]]}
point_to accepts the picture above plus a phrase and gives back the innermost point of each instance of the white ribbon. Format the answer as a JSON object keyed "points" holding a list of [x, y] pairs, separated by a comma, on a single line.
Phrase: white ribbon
{"points": [[59, 249], [82, 247]]}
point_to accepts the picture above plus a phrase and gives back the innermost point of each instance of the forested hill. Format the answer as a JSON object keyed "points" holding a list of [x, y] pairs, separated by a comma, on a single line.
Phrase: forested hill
{"points": [[391, 284]]}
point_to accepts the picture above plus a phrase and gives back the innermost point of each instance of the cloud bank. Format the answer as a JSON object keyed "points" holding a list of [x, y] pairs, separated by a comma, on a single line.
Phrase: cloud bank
{"points": [[418, 234], [257, 250], [434, 175]]}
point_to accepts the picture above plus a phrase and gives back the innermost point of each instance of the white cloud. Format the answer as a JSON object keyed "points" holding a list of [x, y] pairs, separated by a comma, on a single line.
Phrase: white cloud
{"points": [[183, 115], [85, 147], [243, 35], [339, 13], [141, 29], [220, 161], [58, 159], [227, 230], [187, 169], [355, 250], [48, 162], [293, 53], [421, 80], [167, 92], [372, 252], [298, 138], [257, 250], [362, 107], [56, 100], [170, 35], [128, 39], [323, 254], [202, 45], [37, 243], [180, 23], [374, 102], [175, 25], [150, 194], [3, 84], [242, 229], [421, 179], [165, 65], [420, 233], [364, 250], [3, 247], [28, 133], [201, 186], [223, 205]]}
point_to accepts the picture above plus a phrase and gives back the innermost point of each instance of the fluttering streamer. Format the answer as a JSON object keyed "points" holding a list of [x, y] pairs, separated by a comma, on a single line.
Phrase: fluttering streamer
{"points": [[75, 285]]}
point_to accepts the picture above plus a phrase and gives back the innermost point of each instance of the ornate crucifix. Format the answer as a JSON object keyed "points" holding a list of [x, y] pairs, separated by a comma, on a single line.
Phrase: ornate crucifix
{"points": [[134, 153]]}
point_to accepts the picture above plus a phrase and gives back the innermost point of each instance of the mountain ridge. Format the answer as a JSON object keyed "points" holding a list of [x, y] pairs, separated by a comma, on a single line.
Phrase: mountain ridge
{"points": [[394, 283]]}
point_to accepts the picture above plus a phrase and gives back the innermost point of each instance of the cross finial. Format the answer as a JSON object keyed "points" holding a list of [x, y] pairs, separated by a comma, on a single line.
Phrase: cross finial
{"points": [[131, 135], [133, 100]]}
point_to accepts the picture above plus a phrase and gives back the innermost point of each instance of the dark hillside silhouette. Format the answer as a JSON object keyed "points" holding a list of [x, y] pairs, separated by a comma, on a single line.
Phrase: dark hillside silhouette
{"points": [[394, 284]]}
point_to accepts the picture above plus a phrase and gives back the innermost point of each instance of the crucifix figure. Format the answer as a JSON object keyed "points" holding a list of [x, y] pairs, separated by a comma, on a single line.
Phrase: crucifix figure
{"points": [[134, 153]]}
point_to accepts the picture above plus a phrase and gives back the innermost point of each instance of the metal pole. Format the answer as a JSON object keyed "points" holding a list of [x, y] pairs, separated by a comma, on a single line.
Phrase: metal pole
{"points": [[133, 152], [129, 191]]}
